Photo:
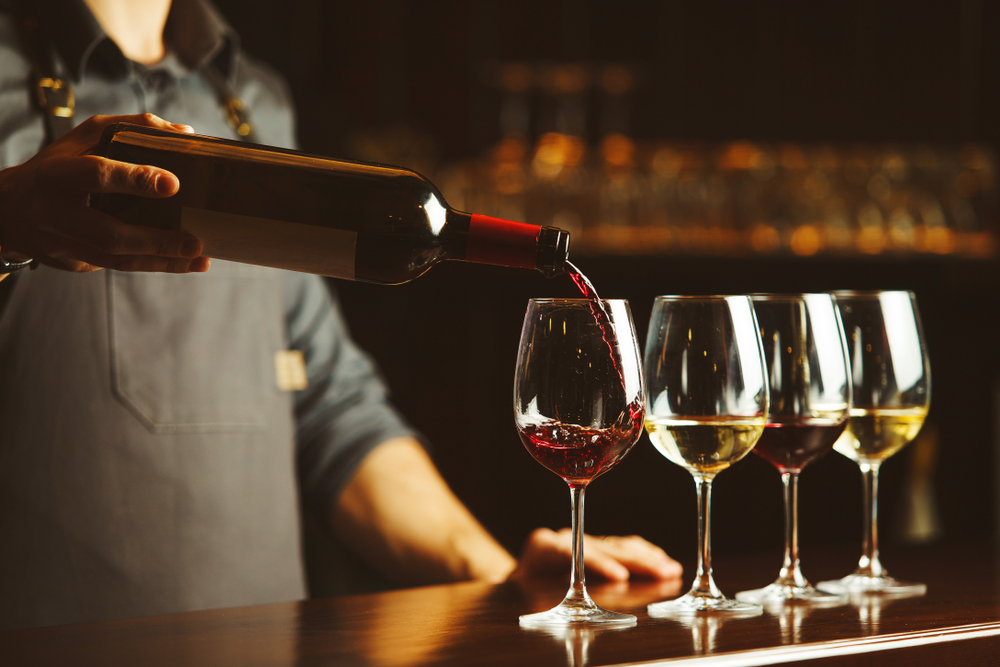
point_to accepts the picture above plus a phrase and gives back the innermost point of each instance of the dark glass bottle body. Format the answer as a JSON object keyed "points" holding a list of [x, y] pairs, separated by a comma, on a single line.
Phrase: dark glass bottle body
{"points": [[339, 218]]}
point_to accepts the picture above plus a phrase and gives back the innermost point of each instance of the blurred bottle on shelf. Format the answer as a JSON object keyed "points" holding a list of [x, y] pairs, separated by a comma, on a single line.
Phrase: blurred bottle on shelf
{"points": [[556, 165], [516, 82], [624, 186], [563, 100], [562, 181]]}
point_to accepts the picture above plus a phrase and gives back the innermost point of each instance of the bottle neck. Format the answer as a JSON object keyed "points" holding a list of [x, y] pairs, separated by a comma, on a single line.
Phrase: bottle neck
{"points": [[487, 240]]}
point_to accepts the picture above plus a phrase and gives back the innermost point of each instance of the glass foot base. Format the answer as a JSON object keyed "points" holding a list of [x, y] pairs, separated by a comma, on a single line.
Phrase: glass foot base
{"points": [[565, 615], [866, 583], [778, 593], [692, 604]]}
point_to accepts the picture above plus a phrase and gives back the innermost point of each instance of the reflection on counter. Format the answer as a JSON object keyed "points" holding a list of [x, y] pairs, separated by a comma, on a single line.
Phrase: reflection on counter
{"points": [[704, 631], [577, 639], [790, 616], [870, 607]]}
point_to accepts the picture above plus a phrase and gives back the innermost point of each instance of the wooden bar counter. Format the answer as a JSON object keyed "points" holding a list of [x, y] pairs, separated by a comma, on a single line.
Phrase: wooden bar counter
{"points": [[956, 623]]}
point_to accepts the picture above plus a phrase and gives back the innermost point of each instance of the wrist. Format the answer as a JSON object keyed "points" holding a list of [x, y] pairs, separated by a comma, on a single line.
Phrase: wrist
{"points": [[12, 256], [14, 261], [480, 557]]}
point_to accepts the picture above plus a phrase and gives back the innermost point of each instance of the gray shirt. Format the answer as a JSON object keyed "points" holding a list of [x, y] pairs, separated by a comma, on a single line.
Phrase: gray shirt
{"points": [[150, 460]]}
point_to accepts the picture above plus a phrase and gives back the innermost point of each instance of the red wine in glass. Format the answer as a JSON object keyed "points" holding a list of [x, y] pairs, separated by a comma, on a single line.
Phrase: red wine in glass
{"points": [[579, 454], [575, 453], [789, 443], [810, 391], [578, 407]]}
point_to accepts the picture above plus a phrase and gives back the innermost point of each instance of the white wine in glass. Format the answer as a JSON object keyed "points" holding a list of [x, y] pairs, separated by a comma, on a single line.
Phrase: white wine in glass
{"points": [[706, 406], [875, 434], [704, 445], [892, 393]]}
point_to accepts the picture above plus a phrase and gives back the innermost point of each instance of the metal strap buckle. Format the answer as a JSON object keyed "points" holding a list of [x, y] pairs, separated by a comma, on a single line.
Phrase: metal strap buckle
{"points": [[238, 117], [7, 266], [56, 97]]}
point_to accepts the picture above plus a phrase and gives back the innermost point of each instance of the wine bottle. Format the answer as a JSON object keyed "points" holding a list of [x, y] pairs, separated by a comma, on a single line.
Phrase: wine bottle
{"points": [[286, 209]]}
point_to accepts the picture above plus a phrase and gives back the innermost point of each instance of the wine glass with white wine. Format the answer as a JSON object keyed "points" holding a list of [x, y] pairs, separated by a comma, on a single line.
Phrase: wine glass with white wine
{"points": [[706, 406], [891, 394]]}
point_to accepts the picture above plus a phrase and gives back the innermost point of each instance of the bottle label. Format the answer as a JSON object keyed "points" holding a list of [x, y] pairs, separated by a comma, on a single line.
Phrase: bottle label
{"points": [[276, 243], [503, 242]]}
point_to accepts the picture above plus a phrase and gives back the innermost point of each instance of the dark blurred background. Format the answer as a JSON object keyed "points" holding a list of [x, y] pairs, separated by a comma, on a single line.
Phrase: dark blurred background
{"points": [[853, 70], [466, 92]]}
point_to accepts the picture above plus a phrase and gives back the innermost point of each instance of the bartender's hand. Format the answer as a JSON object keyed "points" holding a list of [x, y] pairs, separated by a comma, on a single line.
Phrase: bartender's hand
{"points": [[399, 514], [44, 213], [548, 553]]}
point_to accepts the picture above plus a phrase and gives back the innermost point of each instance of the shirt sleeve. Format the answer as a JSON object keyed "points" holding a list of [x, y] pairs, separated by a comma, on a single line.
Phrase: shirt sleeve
{"points": [[345, 411]]}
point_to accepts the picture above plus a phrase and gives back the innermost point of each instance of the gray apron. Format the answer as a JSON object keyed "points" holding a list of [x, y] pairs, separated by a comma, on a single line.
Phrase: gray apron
{"points": [[146, 458]]}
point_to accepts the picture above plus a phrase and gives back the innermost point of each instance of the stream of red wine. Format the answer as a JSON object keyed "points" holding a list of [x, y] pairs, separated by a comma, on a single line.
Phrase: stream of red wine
{"points": [[603, 320], [597, 309], [583, 284]]}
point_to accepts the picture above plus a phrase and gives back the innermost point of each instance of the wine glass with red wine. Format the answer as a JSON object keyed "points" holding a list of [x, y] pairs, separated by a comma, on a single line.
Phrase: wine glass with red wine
{"points": [[578, 406], [706, 407], [810, 397]]}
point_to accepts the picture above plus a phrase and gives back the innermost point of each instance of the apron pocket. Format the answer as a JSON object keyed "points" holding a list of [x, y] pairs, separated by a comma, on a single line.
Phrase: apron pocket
{"points": [[189, 353]]}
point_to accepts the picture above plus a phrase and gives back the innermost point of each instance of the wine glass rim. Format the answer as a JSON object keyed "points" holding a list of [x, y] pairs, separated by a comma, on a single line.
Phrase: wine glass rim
{"points": [[699, 297], [868, 294], [571, 300], [785, 296]]}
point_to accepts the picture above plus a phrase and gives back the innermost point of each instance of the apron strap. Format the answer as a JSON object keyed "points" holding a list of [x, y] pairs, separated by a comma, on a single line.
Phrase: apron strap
{"points": [[53, 95], [236, 111]]}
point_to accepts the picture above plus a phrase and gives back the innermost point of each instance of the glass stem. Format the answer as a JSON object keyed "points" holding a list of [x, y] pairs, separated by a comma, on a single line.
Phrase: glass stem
{"points": [[704, 585], [790, 573], [869, 564], [577, 594]]}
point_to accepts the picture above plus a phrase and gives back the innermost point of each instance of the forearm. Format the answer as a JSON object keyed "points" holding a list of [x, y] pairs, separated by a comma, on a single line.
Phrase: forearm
{"points": [[398, 512]]}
